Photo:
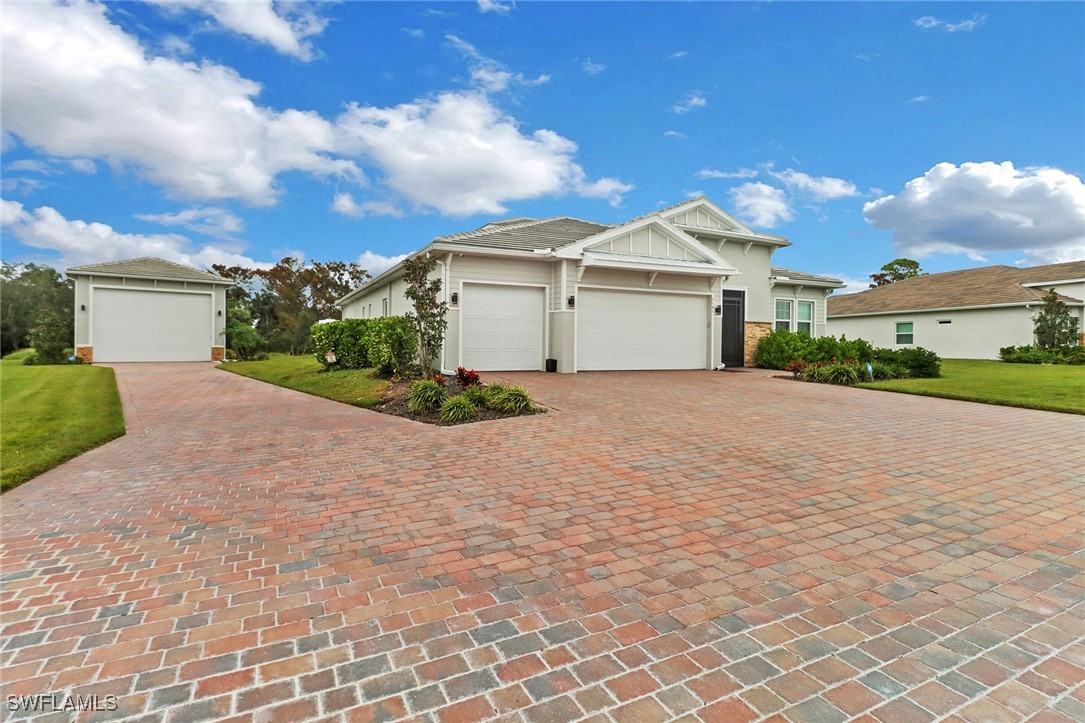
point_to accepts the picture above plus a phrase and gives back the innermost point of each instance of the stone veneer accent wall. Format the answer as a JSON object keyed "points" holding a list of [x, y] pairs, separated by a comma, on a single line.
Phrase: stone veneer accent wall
{"points": [[755, 331], [86, 353], [218, 353]]}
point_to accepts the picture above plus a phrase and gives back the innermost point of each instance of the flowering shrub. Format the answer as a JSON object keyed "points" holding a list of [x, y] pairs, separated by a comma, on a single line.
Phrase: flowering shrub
{"points": [[467, 377]]}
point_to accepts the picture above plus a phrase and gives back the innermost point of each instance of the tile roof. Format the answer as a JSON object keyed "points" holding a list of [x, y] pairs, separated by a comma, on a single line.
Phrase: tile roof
{"points": [[986, 286], [793, 275], [526, 234], [150, 267]]}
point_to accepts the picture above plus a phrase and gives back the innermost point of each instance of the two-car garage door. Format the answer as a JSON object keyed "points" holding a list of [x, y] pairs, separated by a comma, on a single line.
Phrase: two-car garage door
{"points": [[640, 330], [145, 325]]}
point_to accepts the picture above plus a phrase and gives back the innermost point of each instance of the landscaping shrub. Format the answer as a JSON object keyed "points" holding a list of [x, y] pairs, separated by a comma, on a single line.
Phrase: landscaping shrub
{"points": [[813, 373], [478, 396], [511, 400], [1028, 354], [426, 396], [781, 347], [920, 363], [467, 377], [346, 338], [51, 337], [457, 409], [441, 379], [883, 371], [845, 373], [391, 345]]}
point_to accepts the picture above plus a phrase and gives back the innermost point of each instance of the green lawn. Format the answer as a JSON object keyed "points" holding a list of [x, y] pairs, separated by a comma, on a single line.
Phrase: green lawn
{"points": [[1055, 388], [51, 414], [303, 373]]}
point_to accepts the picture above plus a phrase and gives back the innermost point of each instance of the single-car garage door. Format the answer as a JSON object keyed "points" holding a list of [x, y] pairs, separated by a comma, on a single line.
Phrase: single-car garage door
{"points": [[143, 325], [504, 327], [640, 330]]}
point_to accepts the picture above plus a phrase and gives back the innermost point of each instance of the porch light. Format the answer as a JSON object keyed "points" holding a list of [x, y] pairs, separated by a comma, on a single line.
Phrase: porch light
{"points": [[82, 307], [719, 309], [572, 302], [455, 298]]}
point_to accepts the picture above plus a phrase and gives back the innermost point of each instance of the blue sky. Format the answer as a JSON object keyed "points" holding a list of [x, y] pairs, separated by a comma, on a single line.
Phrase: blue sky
{"points": [[208, 132]]}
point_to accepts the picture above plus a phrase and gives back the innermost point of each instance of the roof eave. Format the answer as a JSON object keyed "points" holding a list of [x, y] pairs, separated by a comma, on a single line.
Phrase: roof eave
{"points": [[1003, 305], [114, 275]]}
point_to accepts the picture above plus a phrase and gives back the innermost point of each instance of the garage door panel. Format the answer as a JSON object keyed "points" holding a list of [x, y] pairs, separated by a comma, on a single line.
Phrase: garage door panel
{"points": [[503, 327], [637, 330], [144, 325]]}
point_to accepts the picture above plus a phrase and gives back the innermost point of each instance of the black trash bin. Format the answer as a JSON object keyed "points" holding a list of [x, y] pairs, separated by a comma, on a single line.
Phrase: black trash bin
{"points": [[551, 365]]}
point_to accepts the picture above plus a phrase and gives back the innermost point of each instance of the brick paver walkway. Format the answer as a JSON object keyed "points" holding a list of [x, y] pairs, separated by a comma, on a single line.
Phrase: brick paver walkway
{"points": [[714, 546]]}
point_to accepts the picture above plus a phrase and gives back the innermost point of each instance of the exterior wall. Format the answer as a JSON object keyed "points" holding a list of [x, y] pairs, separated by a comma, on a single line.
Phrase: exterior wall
{"points": [[371, 303], [84, 284], [972, 333], [755, 332], [756, 267]]}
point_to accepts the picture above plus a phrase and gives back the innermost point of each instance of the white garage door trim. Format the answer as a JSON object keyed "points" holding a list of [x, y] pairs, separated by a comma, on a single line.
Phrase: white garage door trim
{"points": [[197, 350], [707, 336], [544, 342]]}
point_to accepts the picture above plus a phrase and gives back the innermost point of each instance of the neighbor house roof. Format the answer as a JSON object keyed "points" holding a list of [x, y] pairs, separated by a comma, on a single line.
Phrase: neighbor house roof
{"points": [[790, 275], [986, 286], [149, 267], [527, 234]]}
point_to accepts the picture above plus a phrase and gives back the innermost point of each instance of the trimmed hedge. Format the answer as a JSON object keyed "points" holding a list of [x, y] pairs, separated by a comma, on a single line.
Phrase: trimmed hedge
{"points": [[811, 358], [387, 343], [1035, 355], [781, 347]]}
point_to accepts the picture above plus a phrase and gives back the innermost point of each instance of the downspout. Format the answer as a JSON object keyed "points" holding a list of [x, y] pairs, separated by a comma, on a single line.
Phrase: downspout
{"points": [[446, 275]]}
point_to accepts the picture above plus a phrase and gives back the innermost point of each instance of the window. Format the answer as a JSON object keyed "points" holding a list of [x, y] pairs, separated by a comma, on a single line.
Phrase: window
{"points": [[384, 307], [783, 314], [904, 332], [805, 322]]}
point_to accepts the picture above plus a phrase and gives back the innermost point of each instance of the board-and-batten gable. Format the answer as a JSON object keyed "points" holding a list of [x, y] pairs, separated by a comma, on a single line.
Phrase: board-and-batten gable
{"points": [[647, 237]]}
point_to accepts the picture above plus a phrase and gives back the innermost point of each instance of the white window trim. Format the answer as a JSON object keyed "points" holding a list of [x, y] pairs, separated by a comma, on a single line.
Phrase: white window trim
{"points": [[813, 314], [790, 312], [896, 333]]}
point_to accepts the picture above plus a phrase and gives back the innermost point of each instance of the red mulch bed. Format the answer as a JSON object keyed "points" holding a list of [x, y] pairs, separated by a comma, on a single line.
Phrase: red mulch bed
{"points": [[395, 403]]}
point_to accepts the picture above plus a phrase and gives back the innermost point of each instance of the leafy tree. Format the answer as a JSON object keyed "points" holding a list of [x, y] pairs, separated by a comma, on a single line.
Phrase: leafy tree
{"points": [[896, 270], [240, 334], [51, 337], [1055, 325], [428, 318], [27, 291]]}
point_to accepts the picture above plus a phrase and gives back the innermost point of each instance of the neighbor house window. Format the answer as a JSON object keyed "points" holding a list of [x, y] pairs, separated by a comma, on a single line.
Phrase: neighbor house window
{"points": [[904, 332], [783, 314], [805, 321], [384, 307]]}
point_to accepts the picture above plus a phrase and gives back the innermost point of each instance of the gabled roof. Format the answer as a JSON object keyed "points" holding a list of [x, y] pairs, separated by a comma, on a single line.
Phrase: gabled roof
{"points": [[148, 267], [781, 275], [526, 234], [730, 226], [986, 286]]}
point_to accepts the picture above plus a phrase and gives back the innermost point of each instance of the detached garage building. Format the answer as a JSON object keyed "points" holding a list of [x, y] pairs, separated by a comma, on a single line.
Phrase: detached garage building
{"points": [[148, 310], [685, 287]]}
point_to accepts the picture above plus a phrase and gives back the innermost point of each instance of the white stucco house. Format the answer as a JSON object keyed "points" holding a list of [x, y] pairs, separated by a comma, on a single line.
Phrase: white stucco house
{"points": [[148, 309], [685, 287], [967, 314]]}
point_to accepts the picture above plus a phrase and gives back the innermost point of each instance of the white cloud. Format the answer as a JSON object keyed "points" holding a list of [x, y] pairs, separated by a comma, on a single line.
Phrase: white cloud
{"points": [[284, 26], [691, 101], [417, 33], [920, 99], [208, 221], [740, 173], [592, 68], [49, 167], [435, 13], [493, 6], [75, 85], [460, 154], [674, 134], [679, 54], [83, 165], [376, 263], [345, 205], [30, 166], [488, 74], [980, 208], [761, 204], [929, 22], [819, 188], [78, 242], [866, 57], [693, 194], [852, 285]]}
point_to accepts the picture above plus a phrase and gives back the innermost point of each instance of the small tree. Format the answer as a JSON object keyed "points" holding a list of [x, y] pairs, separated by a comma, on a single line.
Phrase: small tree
{"points": [[428, 318], [50, 337], [1055, 326], [896, 270], [240, 334]]}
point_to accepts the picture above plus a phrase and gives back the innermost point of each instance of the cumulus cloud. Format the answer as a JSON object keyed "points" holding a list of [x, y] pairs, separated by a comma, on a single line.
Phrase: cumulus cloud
{"points": [[690, 102], [488, 74], [818, 188], [208, 221], [929, 22], [346, 205], [740, 173], [76, 85], [979, 208], [460, 154], [79, 242], [376, 263], [493, 6], [592, 68], [760, 204], [285, 26]]}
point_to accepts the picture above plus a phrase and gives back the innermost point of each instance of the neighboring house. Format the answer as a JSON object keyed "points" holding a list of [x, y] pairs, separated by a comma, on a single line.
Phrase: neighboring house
{"points": [[685, 287], [966, 314], [148, 309]]}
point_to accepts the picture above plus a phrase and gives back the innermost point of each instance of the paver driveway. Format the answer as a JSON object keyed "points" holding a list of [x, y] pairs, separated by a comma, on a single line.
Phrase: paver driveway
{"points": [[718, 546]]}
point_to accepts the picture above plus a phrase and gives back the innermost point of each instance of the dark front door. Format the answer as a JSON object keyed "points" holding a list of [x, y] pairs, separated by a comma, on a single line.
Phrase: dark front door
{"points": [[734, 314]]}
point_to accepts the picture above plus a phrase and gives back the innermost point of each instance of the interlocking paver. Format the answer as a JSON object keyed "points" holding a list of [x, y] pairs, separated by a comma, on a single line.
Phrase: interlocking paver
{"points": [[658, 546]]}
